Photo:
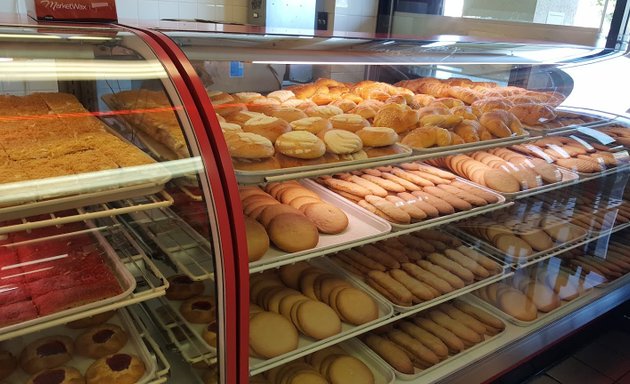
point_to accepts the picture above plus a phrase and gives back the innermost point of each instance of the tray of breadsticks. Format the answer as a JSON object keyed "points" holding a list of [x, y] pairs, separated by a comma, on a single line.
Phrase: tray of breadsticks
{"points": [[605, 261], [411, 195], [345, 362], [507, 172], [525, 231], [419, 270], [576, 155], [287, 220], [535, 292], [107, 346], [417, 345], [300, 307]]}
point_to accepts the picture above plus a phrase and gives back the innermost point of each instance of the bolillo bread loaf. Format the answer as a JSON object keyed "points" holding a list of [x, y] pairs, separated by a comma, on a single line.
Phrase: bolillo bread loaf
{"points": [[248, 145]]}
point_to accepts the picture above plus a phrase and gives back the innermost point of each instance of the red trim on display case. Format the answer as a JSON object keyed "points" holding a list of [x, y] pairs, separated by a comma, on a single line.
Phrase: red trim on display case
{"points": [[172, 58], [236, 262]]}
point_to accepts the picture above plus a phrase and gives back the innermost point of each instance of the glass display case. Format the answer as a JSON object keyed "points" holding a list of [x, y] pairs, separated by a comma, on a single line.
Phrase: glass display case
{"points": [[246, 206]]}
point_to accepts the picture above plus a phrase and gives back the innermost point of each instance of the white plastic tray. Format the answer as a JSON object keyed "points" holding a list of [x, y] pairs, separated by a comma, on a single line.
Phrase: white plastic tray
{"points": [[134, 346], [362, 225], [125, 279], [469, 352], [423, 224]]}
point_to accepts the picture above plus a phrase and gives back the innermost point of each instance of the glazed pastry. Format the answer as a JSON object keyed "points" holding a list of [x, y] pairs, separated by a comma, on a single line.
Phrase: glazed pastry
{"points": [[100, 341], [120, 368], [182, 287], [61, 375], [198, 310], [47, 352]]}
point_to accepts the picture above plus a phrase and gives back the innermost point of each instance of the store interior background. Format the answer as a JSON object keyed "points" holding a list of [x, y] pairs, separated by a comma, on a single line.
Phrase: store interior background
{"points": [[582, 22]]}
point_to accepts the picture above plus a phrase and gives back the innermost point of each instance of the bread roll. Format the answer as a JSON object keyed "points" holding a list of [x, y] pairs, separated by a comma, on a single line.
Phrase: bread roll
{"points": [[313, 125], [300, 144], [293, 233], [325, 111], [399, 117], [289, 114], [257, 239]]}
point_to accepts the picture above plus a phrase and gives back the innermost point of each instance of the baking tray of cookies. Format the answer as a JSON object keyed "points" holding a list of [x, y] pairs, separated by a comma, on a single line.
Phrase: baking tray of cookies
{"points": [[361, 226], [306, 344], [569, 120], [135, 346], [257, 177], [125, 280], [447, 352], [426, 223], [501, 272]]}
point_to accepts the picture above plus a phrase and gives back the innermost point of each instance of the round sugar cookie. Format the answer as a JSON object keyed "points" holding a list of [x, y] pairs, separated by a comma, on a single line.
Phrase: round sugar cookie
{"points": [[317, 320], [326, 217], [270, 335]]}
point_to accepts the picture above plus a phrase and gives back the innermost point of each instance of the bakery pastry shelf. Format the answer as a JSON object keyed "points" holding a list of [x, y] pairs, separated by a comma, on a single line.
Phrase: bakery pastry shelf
{"points": [[362, 227], [134, 346], [29, 220], [465, 355], [275, 175], [185, 247], [307, 345]]}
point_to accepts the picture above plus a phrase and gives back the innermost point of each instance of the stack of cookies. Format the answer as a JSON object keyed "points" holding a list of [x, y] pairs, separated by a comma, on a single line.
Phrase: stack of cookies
{"points": [[291, 215], [408, 193], [329, 365], [424, 340], [415, 268], [571, 154], [315, 301]]}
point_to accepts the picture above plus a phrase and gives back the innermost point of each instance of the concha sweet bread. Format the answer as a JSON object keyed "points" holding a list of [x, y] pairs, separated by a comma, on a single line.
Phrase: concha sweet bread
{"points": [[289, 114], [348, 122], [269, 127], [301, 145], [341, 142], [248, 145], [325, 111], [400, 118], [311, 124], [377, 136]]}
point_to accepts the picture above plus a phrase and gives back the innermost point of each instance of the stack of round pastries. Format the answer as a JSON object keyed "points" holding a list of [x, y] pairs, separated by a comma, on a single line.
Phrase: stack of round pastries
{"points": [[289, 215]]}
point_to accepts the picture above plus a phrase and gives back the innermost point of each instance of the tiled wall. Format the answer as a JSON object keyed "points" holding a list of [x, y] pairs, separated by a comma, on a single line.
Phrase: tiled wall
{"points": [[356, 15]]}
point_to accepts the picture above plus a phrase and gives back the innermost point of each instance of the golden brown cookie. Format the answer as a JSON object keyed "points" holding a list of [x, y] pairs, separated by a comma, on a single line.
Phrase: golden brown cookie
{"points": [[327, 218], [270, 335]]}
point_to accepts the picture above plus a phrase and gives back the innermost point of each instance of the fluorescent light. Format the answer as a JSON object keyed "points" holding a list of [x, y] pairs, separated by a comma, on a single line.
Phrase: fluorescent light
{"points": [[99, 38], [27, 36]]}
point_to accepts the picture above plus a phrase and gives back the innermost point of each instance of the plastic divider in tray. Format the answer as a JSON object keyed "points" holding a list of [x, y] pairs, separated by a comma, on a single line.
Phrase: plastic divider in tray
{"points": [[185, 247], [467, 353], [505, 272], [307, 345], [257, 177], [424, 224], [362, 225], [135, 346]]}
